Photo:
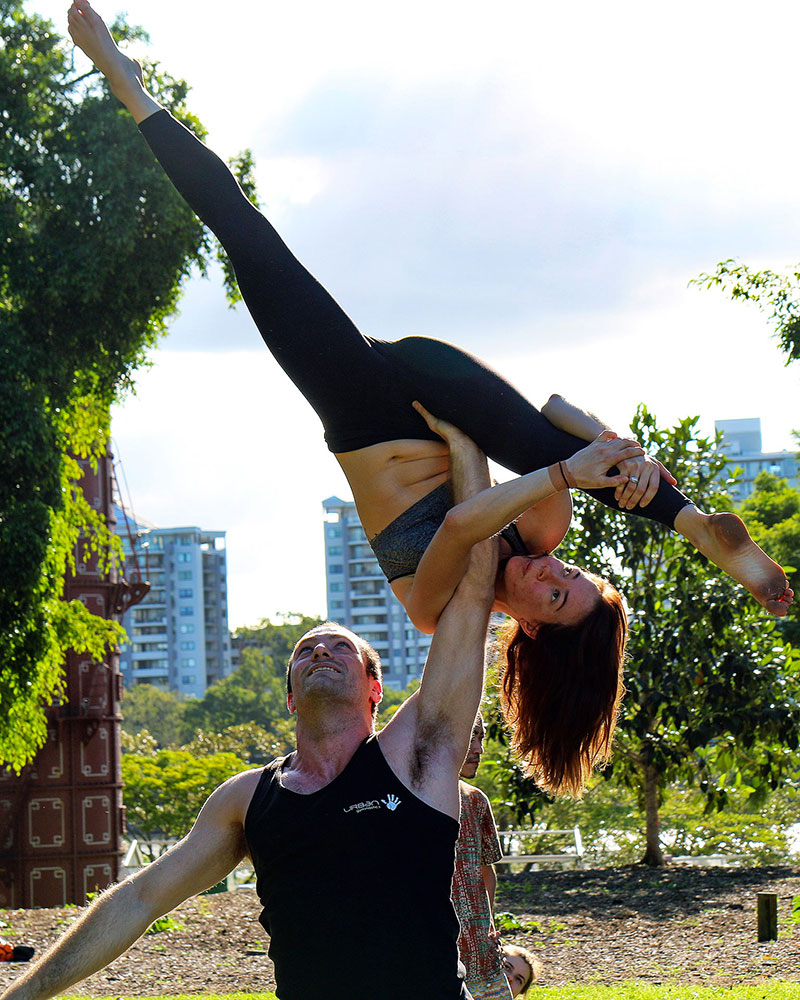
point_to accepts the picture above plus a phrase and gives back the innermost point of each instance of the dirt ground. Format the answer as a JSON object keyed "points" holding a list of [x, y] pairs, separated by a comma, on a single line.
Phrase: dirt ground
{"points": [[693, 925]]}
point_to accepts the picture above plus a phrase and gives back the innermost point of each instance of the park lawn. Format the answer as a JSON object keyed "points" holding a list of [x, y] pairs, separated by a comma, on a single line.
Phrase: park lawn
{"points": [[771, 989]]}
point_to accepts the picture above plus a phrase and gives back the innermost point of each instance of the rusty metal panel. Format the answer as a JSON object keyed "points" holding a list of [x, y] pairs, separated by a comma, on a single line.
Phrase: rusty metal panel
{"points": [[62, 819], [97, 821], [45, 821], [96, 873], [95, 755], [9, 895], [46, 884], [7, 824], [51, 764]]}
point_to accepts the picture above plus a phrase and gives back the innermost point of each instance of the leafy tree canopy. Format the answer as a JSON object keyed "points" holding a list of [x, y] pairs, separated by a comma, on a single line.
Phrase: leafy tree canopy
{"points": [[95, 245], [148, 708], [773, 293], [773, 512], [163, 792], [277, 638], [255, 692]]}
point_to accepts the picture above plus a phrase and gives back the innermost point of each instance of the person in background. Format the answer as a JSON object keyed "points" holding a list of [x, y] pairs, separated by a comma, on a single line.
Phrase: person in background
{"points": [[522, 968], [475, 881]]}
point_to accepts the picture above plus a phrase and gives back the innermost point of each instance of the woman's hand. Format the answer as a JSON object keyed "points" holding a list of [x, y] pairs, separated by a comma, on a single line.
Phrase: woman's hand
{"points": [[644, 475], [589, 466]]}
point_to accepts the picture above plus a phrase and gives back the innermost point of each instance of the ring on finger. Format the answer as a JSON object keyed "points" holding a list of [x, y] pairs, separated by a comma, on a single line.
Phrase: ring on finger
{"points": [[634, 479]]}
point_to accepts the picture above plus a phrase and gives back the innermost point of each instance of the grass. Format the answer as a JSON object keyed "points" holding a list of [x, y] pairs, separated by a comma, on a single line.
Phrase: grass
{"points": [[772, 989]]}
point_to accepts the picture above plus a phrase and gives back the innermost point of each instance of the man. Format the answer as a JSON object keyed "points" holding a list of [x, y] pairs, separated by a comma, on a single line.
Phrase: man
{"points": [[354, 833], [328, 828], [475, 881]]}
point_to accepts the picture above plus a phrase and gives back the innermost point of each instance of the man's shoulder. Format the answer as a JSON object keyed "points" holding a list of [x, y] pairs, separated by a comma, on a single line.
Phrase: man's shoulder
{"points": [[236, 793], [472, 795]]}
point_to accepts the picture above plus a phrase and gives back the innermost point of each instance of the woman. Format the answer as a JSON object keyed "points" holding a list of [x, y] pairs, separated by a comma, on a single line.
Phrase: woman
{"points": [[398, 466], [522, 968]]}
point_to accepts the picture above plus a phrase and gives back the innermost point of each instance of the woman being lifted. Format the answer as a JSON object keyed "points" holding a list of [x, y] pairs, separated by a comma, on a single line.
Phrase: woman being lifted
{"points": [[375, 398]]}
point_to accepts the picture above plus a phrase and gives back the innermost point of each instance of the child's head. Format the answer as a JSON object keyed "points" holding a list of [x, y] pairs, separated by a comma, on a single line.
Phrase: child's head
{"points": [[521, 968]]}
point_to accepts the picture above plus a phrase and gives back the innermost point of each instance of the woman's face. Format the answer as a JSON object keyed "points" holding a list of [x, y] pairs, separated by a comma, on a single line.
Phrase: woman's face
{"points": [[517, 972], [543, 589]]}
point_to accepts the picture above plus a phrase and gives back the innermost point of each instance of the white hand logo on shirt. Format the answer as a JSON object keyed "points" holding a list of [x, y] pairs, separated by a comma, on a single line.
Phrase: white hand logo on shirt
{"points": [[391, 802]]}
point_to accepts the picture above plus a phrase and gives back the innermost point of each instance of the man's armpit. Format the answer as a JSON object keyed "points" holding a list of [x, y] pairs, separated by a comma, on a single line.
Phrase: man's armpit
{"points": [[432, 737]]}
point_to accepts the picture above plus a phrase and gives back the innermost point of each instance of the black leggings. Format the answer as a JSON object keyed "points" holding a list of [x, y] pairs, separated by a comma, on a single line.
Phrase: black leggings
{"points": [[361, 388]]}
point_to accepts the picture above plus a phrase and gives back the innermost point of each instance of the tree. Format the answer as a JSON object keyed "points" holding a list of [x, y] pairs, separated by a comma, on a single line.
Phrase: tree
{"points": [[277, 638], [713, 690], [101, 243], [248, 742], [773, 512], [778, 294], [254, 693], [163, 792], [146, 707]]}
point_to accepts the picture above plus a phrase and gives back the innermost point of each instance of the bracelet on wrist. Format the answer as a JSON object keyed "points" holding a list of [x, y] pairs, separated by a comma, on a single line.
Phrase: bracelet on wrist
{"points": [[569, 479], [557, 477]]}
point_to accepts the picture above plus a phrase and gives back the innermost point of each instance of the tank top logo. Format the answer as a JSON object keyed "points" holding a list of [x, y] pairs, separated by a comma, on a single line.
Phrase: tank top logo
{"points": [[391, 802]]}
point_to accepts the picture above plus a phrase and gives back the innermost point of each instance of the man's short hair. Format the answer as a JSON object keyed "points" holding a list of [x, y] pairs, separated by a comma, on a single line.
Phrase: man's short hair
{"points": [[373, 661]]}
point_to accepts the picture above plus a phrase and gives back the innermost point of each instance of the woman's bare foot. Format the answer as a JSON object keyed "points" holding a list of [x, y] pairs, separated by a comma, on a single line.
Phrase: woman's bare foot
{"points": [[725, 540], [89, 32]]}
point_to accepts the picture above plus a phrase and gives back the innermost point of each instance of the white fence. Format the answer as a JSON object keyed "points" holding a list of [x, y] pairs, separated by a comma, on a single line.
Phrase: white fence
{"points": [[523, 847]]}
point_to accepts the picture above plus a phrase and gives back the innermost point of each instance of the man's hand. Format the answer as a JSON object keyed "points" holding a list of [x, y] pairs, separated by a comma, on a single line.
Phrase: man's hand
{"points": [[455, 439], [469, 473], [644, 475]]}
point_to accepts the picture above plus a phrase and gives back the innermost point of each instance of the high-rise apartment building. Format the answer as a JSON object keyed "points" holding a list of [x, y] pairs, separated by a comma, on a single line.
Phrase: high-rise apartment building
{"points": [[360, 598], [178, 636], [741, 443]]}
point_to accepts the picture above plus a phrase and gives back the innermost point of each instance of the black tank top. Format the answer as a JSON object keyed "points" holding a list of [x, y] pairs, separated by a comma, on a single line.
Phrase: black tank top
{"points": [[354, 880]]}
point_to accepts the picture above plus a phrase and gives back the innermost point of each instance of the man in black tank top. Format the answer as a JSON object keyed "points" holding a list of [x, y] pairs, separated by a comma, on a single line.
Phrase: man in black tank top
{"points": [[355, 831]]}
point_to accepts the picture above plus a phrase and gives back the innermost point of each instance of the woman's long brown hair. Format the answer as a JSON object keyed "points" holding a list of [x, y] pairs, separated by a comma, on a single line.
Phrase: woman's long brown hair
{"points": [[561, 691]]}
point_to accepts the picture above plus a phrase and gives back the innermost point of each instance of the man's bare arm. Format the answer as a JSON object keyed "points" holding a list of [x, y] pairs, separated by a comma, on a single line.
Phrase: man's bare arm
{"points": [[489, 873], [427, 739], [110, 925]]}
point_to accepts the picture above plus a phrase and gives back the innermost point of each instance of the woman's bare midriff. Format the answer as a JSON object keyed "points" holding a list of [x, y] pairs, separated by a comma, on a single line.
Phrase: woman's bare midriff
{"points": [[388, 478]]}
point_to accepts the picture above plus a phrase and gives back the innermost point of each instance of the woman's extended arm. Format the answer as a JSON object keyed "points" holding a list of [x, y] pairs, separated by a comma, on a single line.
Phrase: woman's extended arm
{"points": [[486, 512]]}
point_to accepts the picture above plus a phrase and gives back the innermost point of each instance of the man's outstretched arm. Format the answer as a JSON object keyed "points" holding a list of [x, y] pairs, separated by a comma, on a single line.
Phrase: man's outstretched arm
{"points": [[119, 916], [427, 739]]}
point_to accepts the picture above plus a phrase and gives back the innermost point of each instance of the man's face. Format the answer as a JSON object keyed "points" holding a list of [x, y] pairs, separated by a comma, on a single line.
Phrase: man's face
{"points": [[470, 766], [328, 662]]}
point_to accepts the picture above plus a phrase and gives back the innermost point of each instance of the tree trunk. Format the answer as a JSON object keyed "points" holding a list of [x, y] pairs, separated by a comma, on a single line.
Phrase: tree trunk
{"points": [[653, 855]]}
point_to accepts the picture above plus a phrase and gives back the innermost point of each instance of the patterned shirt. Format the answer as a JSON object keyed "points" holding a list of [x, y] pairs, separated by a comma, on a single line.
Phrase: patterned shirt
{"points": [[477, 845]]}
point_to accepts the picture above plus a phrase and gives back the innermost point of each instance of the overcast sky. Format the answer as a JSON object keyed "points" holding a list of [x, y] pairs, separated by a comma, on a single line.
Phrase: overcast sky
{"points": [[536, 182]]}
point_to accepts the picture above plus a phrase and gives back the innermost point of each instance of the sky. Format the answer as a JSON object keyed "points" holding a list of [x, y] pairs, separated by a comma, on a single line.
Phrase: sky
{"points": [[536, 182]]}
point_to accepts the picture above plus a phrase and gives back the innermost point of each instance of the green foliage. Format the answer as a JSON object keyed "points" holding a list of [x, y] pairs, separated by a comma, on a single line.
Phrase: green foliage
{"points": [[101, 243], [713, 690], [392, 700], [159, 713], [254, 693], [164, 924], [249, 742], [163, 792], [778, 294], [773, 513], [141, 743], [277, 638]]}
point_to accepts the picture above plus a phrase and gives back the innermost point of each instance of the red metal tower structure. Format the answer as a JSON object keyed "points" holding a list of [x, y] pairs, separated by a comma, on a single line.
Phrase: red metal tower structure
{"points": [[62, 819]]}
